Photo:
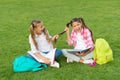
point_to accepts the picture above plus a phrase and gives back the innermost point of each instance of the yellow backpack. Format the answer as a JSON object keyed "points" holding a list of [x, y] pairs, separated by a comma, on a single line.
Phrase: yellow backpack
{"points": [[102, 52]]}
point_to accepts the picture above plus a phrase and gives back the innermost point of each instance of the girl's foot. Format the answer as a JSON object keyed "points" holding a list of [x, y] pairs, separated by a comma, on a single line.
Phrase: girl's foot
{"points": [[56, 64], [88, 61], [93, 64], [69, 60]]}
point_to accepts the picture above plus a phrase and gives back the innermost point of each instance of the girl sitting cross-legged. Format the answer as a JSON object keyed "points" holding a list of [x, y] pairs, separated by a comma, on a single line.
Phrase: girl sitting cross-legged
{"points": [[41, 45], [81, 38]]}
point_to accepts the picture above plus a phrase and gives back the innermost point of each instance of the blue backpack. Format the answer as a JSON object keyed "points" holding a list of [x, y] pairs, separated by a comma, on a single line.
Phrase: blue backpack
{"points": [[23, 64]]}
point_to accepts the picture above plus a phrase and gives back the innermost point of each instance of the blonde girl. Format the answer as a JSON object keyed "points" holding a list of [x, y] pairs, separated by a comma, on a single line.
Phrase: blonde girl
{"points": [[41, 42]]}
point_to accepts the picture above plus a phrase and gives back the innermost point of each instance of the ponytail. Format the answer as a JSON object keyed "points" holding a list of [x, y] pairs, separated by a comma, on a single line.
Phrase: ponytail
{"points": [[67, 25], [84, 26], [33, 36], [47, 34], [82, 21]]}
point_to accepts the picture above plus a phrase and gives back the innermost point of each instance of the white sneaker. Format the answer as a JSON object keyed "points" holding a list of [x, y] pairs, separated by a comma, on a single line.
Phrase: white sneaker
{"points": [[69, 60], [88, 61], [56, 64]]}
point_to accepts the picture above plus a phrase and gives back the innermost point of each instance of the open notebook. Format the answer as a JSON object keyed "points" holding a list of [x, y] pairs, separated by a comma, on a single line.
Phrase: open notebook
{"points": [[77, 50], [50, 55]]}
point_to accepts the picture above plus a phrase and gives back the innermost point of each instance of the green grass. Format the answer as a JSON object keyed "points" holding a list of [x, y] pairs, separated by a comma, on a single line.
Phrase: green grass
{"points": [[102, 16]]}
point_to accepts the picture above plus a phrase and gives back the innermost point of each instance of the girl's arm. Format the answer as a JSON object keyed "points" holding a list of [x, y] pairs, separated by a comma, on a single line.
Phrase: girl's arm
{"points": [[84, 53], [68, 33], [89, 40], [46, 60], [54, 38], [70, 39]]}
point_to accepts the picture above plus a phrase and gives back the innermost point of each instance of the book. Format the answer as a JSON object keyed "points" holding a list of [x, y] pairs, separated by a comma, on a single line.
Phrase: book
{"points": [[50, 55], [77, 50]]}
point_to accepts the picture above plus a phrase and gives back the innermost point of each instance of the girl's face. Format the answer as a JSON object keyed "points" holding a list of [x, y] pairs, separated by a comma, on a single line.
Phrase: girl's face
{"points": [[77, 26], [39, 28]]}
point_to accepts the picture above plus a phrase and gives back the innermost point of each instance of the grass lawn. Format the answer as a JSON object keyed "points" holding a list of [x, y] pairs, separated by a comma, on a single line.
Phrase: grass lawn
{"points": [[102, 16]]}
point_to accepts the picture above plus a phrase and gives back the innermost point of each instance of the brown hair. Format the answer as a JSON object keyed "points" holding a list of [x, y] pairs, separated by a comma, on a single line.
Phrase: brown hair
{"points": [[33, 25], [80, 20]]}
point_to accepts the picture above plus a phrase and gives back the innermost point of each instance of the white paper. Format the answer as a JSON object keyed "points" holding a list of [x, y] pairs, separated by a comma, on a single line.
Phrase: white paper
{"points": [[50, 55]]}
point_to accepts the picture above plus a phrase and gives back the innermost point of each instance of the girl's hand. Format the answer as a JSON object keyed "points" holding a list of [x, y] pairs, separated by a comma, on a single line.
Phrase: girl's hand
{"points": [[46, 60], [80, 54], [77, 54], [55, 37]]}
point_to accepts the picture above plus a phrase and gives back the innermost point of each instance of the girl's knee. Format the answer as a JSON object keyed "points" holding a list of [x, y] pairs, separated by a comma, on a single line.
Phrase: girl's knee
{"points": [[65, 53], [58, 53]]}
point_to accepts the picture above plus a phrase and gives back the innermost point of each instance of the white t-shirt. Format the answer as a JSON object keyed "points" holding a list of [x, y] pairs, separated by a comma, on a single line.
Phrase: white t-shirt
{"points": [[80, 42], [43, 44]]}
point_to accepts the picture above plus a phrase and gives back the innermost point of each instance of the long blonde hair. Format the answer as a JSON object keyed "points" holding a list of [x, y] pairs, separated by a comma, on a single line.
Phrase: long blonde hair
{"points": [[33, 25]]}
